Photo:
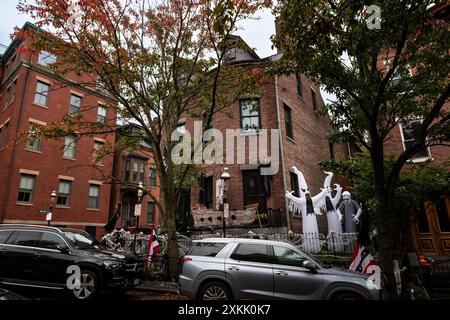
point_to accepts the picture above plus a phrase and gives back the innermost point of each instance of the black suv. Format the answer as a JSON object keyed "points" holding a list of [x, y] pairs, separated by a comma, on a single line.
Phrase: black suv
{"points": [[38, 256]]}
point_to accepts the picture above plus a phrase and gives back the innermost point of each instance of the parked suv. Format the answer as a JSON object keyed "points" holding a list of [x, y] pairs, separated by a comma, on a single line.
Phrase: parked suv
{"points": [[224, 269], [38, 256]]}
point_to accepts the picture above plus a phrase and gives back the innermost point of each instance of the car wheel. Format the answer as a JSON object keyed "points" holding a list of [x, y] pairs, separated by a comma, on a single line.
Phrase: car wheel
{"points": [[347, 296], [215, 291], [88, 286]]}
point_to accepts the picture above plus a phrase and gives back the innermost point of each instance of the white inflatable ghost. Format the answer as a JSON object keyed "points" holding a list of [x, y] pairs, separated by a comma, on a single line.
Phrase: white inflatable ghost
{"points": [[334, 217], [308, 207]]}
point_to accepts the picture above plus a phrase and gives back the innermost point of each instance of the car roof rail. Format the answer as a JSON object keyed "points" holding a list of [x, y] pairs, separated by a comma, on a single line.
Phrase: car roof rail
{"points": [[6, 225]]}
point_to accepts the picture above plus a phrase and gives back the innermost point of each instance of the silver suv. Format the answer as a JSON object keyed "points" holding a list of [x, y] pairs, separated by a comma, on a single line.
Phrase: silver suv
{"points": [[224, 269]]}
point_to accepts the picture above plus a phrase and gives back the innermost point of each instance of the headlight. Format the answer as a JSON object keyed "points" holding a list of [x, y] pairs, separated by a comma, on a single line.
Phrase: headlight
{"points": [[112, 264]]}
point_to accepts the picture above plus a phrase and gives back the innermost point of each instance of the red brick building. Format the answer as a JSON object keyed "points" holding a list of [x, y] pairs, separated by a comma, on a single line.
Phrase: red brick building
{"points": [[31, 168], [431, 233], [292, 104], [131, 168]]}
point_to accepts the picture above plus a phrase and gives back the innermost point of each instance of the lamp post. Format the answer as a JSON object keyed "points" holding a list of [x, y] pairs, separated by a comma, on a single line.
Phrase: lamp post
{"points": [[137, 212], [52, 200], [225, 177]]}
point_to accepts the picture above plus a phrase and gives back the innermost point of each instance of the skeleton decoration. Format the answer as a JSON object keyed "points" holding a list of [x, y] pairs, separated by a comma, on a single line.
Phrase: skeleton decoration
{"points": [[351, 212], [334, 217], [307, 207]]}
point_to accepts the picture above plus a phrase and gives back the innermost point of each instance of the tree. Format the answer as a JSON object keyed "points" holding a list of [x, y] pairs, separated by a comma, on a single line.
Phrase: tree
{"points": [[160, 61], [380, 77], [416, 184]]}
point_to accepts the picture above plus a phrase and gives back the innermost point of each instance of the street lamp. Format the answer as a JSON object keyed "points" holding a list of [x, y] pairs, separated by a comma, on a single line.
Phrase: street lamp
{"points": [[137, 211], [225, 177], [52, 200]]}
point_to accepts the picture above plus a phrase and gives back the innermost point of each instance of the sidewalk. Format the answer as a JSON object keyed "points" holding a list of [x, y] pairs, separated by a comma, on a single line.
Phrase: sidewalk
{"points": [[158, 286]]}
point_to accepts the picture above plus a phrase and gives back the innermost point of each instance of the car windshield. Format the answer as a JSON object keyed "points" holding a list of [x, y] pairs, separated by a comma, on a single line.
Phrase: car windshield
{"points": [[81, 240]]}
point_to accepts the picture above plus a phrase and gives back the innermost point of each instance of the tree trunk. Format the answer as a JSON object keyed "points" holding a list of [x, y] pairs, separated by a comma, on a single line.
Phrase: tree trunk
{"points": [[385, 238], [172, 242]]}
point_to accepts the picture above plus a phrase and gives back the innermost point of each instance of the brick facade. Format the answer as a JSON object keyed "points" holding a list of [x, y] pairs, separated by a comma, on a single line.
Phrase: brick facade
{"points": [[48, 165], [308, 146], [124, 193]]}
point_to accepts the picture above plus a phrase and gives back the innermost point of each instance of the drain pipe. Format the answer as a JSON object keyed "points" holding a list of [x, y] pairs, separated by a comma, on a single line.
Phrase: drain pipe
{"points": [[286, 206]]}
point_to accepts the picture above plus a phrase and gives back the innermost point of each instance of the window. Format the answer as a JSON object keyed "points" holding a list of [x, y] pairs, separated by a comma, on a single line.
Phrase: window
{"points": [[142, 172], [75, 104], [41, 95], [25, 238], [127, 170], [152, 177], [150, 212], [287, 257], [135, 170], [98, 147], [51, 240], [331, 148], [94, 194], [298, 78], [10, 93], [3, 135], [250, 115], [46, 58], [408, 131], [64, 193], [294, 184], [4, 236], [288, 121], [69, 147], [442, 205], [250, 252], [26, 188], [314, 99], [34, 138], [101, 113], [206, 249], [206, 191]]}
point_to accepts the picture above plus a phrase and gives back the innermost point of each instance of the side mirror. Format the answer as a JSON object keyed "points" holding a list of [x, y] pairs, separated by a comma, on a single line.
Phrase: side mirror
{"points": [[62, 248], [309, 265]]}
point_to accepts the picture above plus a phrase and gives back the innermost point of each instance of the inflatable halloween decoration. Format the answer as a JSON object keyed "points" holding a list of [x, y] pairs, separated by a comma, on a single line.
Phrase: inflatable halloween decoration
{"points": [[351, 212], [307, 207], [334, 217]]}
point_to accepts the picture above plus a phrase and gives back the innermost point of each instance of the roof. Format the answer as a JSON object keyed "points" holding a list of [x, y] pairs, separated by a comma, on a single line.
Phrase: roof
{"points": [[9, 50], [29, 226], [241, 240]]}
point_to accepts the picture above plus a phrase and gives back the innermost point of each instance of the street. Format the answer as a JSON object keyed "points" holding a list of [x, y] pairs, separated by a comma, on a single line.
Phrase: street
{"points": [[136, 294]]}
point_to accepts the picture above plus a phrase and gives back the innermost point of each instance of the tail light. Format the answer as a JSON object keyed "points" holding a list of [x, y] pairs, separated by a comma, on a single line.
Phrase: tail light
{"points": [[182, 261]]}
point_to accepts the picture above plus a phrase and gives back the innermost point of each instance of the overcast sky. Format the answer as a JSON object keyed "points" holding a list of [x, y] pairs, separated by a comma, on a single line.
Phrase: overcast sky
{"points": [[256, 33]]}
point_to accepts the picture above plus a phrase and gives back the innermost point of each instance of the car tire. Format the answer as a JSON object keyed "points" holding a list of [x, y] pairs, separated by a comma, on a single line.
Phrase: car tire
{"points": [[89, 286], [215, 291], [347, 296]]}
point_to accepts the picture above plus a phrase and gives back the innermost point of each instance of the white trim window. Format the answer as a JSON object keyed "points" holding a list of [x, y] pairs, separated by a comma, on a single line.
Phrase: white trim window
{"points": [[407, 133], [101, 113], [26, 187], [64, 190], [41, 94], [94, 195], [70, 147]]}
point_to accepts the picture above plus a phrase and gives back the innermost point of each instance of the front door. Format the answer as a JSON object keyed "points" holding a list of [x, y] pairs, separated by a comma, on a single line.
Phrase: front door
{"points": [[432, 230], [254, 190]]}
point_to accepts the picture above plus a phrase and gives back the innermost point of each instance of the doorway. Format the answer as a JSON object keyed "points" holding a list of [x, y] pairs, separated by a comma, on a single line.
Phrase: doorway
{"points": [[432, 229], [254, 191]]}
